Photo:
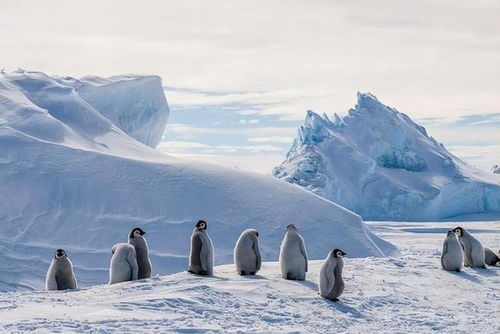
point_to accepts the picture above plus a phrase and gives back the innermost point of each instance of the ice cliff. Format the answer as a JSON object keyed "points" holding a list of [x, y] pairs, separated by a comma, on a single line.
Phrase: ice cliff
{"points": [[380, 164]]}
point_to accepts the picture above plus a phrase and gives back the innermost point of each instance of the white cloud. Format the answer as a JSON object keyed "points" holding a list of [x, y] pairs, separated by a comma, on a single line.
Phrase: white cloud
{"points": [[176, 128], [275, 139], [483, 157], [249, 121]]}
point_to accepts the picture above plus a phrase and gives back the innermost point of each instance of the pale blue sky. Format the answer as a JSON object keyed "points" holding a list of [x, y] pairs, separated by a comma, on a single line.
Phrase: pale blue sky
{"points": [[239, 75]]}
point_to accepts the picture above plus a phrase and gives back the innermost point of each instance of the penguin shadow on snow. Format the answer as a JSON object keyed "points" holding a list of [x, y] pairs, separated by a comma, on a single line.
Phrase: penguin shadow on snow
{"points": [[488, 271], [308, 284], [253, 277], [464, 275], [341, 307]]}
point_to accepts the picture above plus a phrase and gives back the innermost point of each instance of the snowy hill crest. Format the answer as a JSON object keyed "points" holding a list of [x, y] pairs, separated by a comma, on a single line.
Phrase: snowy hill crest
{"points": [[379, 163]]}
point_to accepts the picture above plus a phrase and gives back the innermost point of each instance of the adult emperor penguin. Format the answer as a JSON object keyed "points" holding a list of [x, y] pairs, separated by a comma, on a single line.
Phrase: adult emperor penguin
{"points": [[60, 275], [201, 257], [293, 255], [473, 249], [247, 254], [331, 283], [490, 258], [123, 266], [452, 257], [136, 239]]}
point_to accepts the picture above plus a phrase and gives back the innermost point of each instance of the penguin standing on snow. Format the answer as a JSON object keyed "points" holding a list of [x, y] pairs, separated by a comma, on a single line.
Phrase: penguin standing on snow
{"points": [[136, 239], [60, 275], [247, 254], [331, 283], [473, 249], [123, 266], [490, 258], [452, 257], [293, 255], [201, 257]]}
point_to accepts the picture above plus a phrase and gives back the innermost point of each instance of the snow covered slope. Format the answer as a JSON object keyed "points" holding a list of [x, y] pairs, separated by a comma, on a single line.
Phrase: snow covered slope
{"points": [[378, 163], [71, 179], [405, 294]]}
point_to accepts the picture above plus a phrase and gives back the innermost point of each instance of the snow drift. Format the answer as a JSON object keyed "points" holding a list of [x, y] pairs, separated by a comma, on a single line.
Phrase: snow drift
{"points": [[377, 162], [71, 178]]}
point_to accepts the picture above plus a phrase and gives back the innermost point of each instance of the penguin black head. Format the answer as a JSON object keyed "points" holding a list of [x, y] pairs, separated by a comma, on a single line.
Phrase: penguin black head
{"points": [[459, 231], [201, 225], [338, 253], [136, 232], [291, 227], [450, 232], [60, 253]]}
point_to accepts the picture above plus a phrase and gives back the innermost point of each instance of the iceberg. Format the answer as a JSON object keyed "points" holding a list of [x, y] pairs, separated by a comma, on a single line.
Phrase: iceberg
{"points": [[380, 164]]}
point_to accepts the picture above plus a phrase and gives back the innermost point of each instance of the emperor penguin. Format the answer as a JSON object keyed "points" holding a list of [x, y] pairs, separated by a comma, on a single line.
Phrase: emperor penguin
{"points": [[60, 275], [452, 257], [123, 266], [201, 257], [136, 239], [473, 249], [247, 254], [293, 255], [490, 258], [331, 283]]}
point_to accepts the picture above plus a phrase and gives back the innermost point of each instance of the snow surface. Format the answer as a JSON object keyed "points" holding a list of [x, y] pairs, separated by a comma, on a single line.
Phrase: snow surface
{"points": [[380, 164], [409, 293], [72, 179]]}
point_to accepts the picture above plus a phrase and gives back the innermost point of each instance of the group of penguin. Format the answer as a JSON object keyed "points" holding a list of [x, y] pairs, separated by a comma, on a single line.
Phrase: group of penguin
{"points": [[130, 261], [461, 248]]}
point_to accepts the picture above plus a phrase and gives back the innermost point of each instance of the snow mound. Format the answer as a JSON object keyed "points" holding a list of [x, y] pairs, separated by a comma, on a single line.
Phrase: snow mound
{"points": [[408, 293], [380, 164], [71, 179]]}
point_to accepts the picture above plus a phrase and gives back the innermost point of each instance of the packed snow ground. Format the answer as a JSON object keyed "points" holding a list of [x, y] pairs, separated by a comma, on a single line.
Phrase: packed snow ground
{"points": [[407, 293]]}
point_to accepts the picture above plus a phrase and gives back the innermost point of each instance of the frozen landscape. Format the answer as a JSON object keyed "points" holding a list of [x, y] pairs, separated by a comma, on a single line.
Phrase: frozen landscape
{"points": [[408, 293], [378, 163], [74, 179]]}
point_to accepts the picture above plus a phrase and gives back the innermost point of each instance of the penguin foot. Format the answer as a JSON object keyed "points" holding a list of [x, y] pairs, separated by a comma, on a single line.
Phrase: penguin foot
{"points": [[457, 270], [242, 273], [253, 273], [334, 299]]}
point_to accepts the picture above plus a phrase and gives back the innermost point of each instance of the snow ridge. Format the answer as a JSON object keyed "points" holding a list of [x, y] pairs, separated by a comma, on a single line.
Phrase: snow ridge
{"points": [[379, 163]]}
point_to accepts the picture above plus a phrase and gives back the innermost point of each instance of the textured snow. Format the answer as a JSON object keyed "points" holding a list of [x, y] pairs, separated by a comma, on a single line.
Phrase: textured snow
{"points": [[380, 164], [72, 179], [409, 293]]}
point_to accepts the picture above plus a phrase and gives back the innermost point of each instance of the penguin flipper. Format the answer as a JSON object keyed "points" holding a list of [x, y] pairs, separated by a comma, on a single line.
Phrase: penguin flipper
{"points": [[304, 254]]}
